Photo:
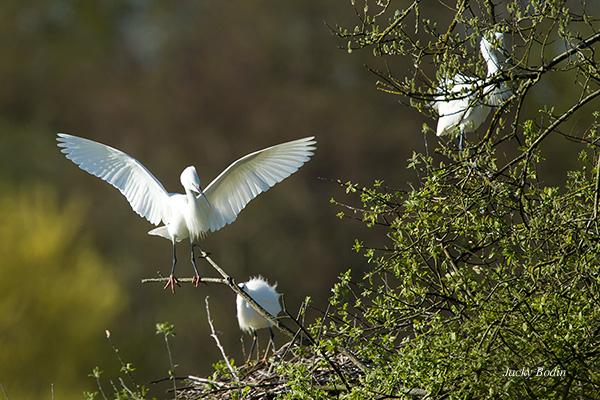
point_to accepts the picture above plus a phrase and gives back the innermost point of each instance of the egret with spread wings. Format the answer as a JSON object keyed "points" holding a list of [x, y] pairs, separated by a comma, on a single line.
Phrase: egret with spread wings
{"points": [[197, 212]]}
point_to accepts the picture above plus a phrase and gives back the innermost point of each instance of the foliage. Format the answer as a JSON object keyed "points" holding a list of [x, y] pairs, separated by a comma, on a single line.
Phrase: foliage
{"points": [[488, 282], [485, 280], [49, 275], [481, 264], [121, 391]]}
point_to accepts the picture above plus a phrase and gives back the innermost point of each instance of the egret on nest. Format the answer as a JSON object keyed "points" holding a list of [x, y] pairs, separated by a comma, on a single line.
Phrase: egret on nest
{"points": [[248, 318], [467, 101], [193, 214]]}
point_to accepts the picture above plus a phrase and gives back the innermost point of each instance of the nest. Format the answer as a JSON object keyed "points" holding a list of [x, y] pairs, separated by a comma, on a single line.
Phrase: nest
{"points": [[300, 360], [265, 379]]}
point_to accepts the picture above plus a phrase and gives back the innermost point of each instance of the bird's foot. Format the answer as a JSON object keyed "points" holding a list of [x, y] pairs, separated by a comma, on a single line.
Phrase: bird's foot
{"points": [[196, 280], [172, 281], [256, 364]]}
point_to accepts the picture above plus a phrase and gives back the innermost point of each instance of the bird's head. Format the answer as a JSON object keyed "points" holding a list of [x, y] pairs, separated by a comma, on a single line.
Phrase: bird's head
{"points": [[189, 180]]}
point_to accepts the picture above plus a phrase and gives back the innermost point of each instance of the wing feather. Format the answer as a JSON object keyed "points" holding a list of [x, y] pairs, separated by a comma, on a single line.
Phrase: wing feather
{"points": [[145, 193], [251, 175]]}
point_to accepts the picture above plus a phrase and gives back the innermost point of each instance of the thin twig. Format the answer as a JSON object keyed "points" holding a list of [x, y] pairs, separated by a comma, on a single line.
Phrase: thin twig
{"points": [[133, 396], [596, 196], [398, 20], [547, 131], [333, 365], [4, 391], [124, 366], [578, 47], [97, 376], [206, 381], [171, 363], [214, 336], [166, 329]]}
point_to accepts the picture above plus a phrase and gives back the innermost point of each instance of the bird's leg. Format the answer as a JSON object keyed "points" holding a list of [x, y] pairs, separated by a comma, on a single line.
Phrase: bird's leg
{"points": [[204, 253], [460, 139], [254, 340], [195, 279], [271, 342], [172, 280]]}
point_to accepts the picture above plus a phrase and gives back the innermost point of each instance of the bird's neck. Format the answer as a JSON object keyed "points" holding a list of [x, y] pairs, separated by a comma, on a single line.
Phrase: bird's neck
{"points": [[491, 59], [195, 216], [492, 65], [194, 201]]}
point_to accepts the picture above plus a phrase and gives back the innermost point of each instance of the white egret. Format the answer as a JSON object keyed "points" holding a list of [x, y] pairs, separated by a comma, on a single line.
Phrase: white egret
{"points": [[193, 214], [248, 318], [467, 101]]}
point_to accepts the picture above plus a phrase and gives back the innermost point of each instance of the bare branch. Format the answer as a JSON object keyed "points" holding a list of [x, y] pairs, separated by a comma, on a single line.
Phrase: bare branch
{"points": [[214, 336], [184, 280]]}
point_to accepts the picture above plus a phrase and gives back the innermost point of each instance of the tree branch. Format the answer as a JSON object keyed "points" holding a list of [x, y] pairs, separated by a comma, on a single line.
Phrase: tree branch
{"points": [[547, 131], [184, 280], [229, 281]]}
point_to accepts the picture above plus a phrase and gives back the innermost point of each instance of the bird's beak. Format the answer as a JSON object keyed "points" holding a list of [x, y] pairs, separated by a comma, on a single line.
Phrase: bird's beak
{"points": [[201, 193], [509, 60], [205, 199]]}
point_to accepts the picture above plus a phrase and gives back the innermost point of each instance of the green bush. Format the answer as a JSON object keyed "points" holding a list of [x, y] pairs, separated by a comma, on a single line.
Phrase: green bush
{"points": [[487, 282]]}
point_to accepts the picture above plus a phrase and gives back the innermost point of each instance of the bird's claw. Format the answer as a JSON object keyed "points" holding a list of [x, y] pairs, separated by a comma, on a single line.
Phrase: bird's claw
{"points": [[172, 281], [196, 280]]}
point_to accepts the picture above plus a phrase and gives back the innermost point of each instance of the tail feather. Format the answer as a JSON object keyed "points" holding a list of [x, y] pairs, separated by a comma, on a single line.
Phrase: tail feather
{"points": [[161, 231]]}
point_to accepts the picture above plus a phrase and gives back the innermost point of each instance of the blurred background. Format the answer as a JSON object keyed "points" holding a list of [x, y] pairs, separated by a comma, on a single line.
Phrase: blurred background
{"points": [[175, 84]]}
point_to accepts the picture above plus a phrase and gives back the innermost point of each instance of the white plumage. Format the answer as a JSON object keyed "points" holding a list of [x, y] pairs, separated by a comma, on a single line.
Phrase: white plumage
{"points": [[249, 319], [466, 101], [197, 212], [265, 295]]}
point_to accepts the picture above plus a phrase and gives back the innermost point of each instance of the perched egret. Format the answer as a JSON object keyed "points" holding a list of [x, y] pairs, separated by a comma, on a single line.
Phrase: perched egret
{"points": [[250, 320], [466, 101], [193, 214]]}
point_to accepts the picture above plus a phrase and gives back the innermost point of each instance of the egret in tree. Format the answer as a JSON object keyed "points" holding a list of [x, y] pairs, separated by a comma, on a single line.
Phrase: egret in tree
{"points": [[193, 214], [467, 101], [248, 318]]}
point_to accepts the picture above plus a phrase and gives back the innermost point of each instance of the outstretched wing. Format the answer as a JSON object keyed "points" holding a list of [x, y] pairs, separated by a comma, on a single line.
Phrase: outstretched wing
{"points": [[144, 192], [251, 175]]}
